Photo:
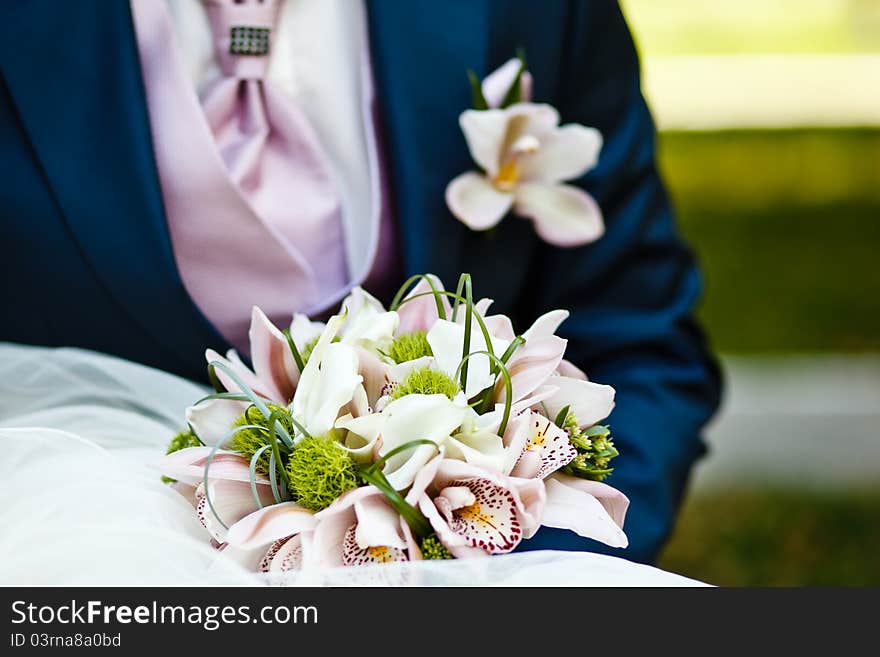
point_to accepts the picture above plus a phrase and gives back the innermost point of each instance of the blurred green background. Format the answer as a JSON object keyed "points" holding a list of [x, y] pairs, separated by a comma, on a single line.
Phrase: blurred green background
{"points": [[770, 145]]}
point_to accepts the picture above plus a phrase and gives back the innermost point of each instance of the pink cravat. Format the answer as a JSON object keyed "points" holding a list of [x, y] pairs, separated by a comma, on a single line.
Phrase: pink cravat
{"points": [[252, 214], [267, 144]]}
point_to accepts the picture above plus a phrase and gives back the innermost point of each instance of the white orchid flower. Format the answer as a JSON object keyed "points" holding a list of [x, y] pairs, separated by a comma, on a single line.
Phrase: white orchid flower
{"points": [[525, 155]]}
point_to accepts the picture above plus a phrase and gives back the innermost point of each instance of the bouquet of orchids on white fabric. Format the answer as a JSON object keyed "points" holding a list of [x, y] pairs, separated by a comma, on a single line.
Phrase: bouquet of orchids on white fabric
{"points": [[430, 430]]}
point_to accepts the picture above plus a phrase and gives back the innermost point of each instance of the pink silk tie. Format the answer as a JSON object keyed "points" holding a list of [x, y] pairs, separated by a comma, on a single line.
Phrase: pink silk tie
{"points": [[252, 214], [271, 151]]}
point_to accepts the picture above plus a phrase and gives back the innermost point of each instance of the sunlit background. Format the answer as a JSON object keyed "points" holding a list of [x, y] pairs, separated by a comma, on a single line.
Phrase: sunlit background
{"points": [[769, 117]]}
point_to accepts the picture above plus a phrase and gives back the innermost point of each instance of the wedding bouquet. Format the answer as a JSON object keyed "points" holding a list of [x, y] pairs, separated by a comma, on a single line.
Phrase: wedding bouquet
{"points": [[431, 430]]}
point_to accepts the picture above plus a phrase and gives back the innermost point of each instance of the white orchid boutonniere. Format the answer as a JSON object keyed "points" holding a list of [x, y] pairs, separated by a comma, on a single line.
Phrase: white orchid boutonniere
{"points": [[525, 157]]}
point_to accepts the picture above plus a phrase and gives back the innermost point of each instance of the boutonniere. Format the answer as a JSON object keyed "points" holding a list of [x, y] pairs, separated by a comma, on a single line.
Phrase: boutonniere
{"points": [[525, 157]]}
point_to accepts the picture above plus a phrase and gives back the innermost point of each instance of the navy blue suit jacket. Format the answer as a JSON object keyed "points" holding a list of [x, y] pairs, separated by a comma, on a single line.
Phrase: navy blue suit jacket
{"points": [[87, 261]]}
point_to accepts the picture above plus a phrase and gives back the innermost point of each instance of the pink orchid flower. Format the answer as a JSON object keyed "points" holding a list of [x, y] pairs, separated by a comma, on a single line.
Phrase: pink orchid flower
{"points": [[275, 374], [537, 448], [418, 312], [477, 512], [359, 528], [283, 530], [525, 156], [228, 485]]}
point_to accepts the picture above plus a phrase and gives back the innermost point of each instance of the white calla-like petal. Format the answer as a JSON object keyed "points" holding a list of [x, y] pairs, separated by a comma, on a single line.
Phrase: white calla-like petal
{"points": [[328, 382], [339, 380], [363, 433], [563, 215], [417, 417]]}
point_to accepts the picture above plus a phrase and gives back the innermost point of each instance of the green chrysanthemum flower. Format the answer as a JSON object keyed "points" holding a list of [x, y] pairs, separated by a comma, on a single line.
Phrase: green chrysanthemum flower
{"points": [[248, 441], [410, 346], [426, 381], [319, 470]]}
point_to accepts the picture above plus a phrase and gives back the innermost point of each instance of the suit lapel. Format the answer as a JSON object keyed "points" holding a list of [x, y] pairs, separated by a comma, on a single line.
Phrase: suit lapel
{"points": [[76, 80]]}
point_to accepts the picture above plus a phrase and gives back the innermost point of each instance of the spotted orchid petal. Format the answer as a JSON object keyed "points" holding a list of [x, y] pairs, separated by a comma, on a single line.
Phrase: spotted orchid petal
{"points": [[231, 501], [337, 539], [270, 524], [546, 449], [504, 509], [588, 508], [489, 522], [355, 555], [286, 554], [213, 419]]}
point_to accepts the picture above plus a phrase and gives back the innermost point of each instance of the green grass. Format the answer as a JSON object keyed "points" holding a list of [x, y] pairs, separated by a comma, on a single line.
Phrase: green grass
{"points": [[778, 538], [786, 225]]}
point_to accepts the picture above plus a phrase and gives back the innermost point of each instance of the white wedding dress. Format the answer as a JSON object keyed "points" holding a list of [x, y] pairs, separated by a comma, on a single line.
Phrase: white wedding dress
{"points": [[81, 504]]}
